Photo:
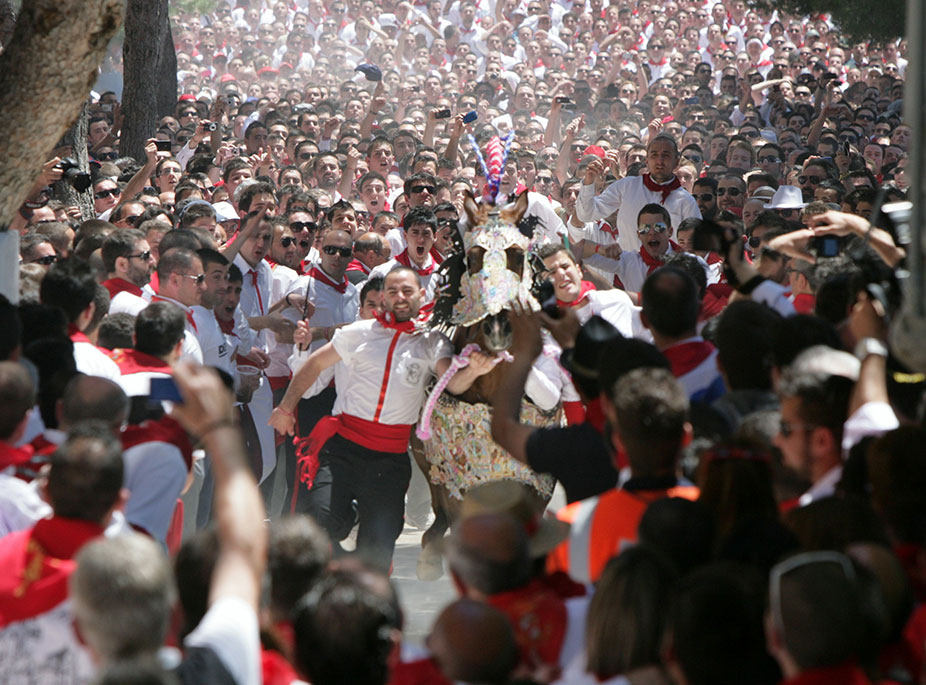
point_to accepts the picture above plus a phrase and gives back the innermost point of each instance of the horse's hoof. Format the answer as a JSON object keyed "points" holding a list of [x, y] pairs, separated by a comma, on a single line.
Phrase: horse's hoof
{"points": [[430, 564]]}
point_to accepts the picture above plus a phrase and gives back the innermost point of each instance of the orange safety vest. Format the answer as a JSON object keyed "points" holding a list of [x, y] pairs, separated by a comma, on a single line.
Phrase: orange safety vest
{"points": [[601, 527]]}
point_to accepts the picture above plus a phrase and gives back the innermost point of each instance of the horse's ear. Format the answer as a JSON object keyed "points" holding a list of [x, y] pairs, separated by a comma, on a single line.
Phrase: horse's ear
{"points": [[473, 211], [516, 213]]}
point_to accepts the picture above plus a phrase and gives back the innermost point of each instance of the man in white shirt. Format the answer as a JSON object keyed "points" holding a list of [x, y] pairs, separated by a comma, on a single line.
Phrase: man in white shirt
{"points": [[181, 281], [362, 452], [216, 351], [70, 285], [627, 196], [420, 229], [129, 264]]}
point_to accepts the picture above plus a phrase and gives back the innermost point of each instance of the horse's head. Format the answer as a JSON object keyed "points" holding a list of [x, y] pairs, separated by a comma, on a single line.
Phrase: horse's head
{"points": [[495, 271]]}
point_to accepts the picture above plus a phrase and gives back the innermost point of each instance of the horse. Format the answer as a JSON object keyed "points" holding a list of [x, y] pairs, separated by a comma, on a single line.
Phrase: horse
{"points": [[491, 268]]}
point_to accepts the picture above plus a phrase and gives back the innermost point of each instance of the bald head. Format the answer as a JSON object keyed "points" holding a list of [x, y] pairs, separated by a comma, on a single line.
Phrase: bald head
{"points": [[473, 642], [92, 397], [489, 553]]}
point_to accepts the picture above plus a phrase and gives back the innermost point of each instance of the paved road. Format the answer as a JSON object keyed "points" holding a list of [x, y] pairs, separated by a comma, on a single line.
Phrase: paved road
{"points": [[421, 601]]}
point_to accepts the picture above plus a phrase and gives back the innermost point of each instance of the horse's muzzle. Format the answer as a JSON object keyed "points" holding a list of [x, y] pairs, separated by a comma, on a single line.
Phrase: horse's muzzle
{"points": [[496, 330]]}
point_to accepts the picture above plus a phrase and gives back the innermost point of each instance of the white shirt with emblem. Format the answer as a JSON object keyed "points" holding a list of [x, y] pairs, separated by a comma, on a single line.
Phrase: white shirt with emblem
{"points": [[387, 372]]}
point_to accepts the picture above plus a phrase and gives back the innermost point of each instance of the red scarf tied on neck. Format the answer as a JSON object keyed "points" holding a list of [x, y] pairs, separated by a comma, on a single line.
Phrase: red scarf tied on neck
{"points": [[584, 289], [320, 275], [403, 259], [387, 320], [664, 188]]}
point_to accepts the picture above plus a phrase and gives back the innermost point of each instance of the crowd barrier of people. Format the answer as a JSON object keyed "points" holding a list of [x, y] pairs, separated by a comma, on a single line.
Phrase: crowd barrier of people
{"points": [[408, 265]]}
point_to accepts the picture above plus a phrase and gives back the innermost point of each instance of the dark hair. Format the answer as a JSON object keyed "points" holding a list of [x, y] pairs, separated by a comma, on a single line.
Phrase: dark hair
{"points": [[175, 260], [416, 179], [179, 238], [654, 208], [17, 397], [795, 334], [652, 410], [339, 206], [86, 473], [681, 529], [69, 285], [670, 301], [744, 345], [420, 215], [690, 265], [116, 331], [824, 399], [158, 328], [627, 614], [297, 553], [119, 244], [209, 256], [251, 191], [343, 631]]}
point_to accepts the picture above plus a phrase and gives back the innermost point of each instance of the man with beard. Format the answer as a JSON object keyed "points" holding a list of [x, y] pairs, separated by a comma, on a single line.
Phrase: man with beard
{"points": [[328, 175], [361, 451], [705, 194], [627, 196], [129, 264]]}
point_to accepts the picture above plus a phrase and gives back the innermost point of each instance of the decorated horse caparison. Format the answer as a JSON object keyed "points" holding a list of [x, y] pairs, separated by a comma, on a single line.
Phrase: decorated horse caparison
{"points": [[454, 447]]}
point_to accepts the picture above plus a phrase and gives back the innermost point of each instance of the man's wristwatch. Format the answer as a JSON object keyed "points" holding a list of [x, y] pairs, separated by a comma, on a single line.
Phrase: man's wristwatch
{"points": [[869, 346]]}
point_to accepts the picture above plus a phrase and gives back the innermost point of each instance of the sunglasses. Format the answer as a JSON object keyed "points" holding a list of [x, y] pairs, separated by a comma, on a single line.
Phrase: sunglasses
{"points": [[769, 160], [286, 242], [333, 250], [809, 179], [544, 179], [732, 192], [755, 241], [422, 188], [47, 260], [705, 197], [865, 117], [200, 279], [300, 226], [109, 192], [657, 227], [131, 219], [144, 256], [697, 159], [107, 156]]}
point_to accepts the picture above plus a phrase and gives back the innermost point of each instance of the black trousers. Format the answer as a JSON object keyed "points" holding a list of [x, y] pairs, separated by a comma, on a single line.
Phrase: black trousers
{"points": [[376, 480]]}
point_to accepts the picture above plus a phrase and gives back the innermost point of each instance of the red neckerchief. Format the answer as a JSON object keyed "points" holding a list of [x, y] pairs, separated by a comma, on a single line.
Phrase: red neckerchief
{"points": [[14, 456], [120, 285], [275, 669], [436, 255], [133, 361], [37, 563], [584, 289], [685, 357], [664, 188], [226, 326], [538, 616], [659, 64], [164, 429], [357, 265], [254, 282], [387, 320], [187, 312], [651, 262], [76, 335], [804, 303], [321, 276], [403, 259]]}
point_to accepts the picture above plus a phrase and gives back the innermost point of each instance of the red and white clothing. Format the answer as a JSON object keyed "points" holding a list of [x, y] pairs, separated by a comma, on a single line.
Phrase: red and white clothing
{"points": [[37, 639], [633, 268], [425, 272], [627, 197], [255, 290], [157, 457], [215, 348], [387, 371], [137, 369], [89, 358], [189, 348], [124, 297], [336, 301], [281, 280]]}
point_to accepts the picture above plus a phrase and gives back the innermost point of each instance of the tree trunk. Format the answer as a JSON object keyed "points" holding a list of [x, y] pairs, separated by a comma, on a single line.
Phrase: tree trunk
{"points": [[167, 76], [46, 72], [76, 137], [7, 21], [143, 54]]}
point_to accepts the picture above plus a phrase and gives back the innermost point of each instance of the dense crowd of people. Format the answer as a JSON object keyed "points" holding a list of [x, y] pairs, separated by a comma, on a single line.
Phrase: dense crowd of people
{"points": [[209, 389]]}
